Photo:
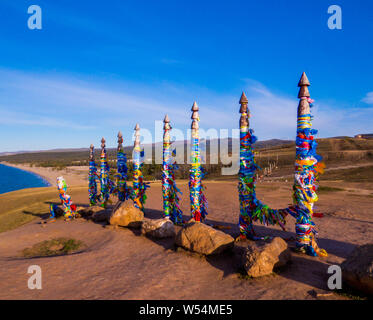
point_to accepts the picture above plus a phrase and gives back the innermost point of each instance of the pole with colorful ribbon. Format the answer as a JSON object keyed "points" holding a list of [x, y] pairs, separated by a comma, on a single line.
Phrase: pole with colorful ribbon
{"points": [[92, 184], [139, 186], [198, 201], [251, 209], [170, 192], [123, 190], [307, 169], [104, 176]]}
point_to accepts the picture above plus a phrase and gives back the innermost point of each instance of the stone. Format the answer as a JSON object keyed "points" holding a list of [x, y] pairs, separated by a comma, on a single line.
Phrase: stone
{"points": [[158, 228], [201, 238], [101, 216], [89, 211], [261, 257], [357, 269], [125, 214]]}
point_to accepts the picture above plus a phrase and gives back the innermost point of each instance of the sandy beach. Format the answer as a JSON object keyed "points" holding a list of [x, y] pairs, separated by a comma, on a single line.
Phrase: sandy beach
{"points": [[74, 176]]}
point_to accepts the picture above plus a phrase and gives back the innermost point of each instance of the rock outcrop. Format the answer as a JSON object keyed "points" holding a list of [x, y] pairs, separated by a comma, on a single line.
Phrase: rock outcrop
{"points": [[261, 257], [357, 269], [125, 214], [200, 238], [158, 228]]}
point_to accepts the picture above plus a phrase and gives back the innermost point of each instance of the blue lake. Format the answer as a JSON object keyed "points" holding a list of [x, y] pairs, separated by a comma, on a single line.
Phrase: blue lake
{"points": [[12, 179]]}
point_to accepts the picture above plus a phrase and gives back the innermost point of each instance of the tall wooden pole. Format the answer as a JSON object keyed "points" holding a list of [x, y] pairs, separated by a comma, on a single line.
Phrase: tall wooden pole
{"points": [[92, 176], [122, 170], [139, 187], [104, 175], [198, 200], [307, 168], [170, 192], [251, 209]]}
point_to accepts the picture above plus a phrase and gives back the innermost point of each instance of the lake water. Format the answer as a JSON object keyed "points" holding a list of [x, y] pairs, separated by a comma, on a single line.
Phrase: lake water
{"points": [[12, 179]]}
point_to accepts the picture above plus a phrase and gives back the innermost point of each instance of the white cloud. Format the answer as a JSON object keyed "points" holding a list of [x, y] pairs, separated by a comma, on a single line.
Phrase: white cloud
{"points": [[104, 106], [19, 118], [368, 98]]}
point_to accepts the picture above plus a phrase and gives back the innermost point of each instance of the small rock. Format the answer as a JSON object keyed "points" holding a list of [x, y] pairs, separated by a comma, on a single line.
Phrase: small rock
{"points": [[357, 269], [125, 214], [158, 228], [200, 238], [261, 257]]}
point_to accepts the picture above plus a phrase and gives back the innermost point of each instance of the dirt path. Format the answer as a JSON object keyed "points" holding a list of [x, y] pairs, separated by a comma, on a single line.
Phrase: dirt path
{"points": [[121, 264]]}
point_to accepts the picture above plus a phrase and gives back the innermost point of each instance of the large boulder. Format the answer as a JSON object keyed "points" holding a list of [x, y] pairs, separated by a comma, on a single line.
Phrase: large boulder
{"points": [[357, 269], [125, 214], [261, 257], [200, 238], [158, 228]]}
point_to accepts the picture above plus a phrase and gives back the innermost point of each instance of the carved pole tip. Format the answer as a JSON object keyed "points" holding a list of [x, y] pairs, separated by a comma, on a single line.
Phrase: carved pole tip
{"points": [[303, 80], [103, 143], [195, 106], [243, 99], [166, 119]]}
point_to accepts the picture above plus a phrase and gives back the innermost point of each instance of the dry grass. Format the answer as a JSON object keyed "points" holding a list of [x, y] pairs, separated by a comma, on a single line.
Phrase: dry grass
{"points": [[54, 247], [22, 206]]}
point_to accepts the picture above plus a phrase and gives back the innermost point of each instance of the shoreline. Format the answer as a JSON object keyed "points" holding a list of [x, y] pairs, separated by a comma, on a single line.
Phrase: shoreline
{"points": [[73, 177], [45, 179]]}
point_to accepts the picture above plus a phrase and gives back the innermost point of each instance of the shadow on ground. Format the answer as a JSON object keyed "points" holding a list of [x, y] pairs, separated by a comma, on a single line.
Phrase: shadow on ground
{"points": [[307, 270]]}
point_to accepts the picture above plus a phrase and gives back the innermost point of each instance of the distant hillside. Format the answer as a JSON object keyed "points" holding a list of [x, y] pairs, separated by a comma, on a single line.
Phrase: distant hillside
{"points": [[68, 157], [278, 154]]}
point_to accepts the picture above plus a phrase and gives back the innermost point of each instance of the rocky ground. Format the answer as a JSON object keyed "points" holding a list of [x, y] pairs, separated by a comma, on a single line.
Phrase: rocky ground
{"points": [[123, 264]]}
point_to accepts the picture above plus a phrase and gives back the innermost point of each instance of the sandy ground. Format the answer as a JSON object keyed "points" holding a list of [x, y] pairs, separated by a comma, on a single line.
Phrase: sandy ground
{"points": [[121, 264], [73, 175]]}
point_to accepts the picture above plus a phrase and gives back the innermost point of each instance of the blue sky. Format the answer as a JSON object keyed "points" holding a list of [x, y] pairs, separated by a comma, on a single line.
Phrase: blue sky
{"points": [[98, 67]]}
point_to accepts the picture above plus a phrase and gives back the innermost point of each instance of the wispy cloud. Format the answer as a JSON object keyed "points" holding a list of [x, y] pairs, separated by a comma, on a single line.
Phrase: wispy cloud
{"points": [[100, 107], [368, 98], [24, 119]]}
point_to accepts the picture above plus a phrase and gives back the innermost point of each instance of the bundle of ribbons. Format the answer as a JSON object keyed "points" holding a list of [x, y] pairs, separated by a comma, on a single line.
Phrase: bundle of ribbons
{"points": [[69, 208], [139, 186], [308, 166], [198, 201], [251, 209], [107, 185], [92, 184], [123, 191], [92, 177], [170, 191]]}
